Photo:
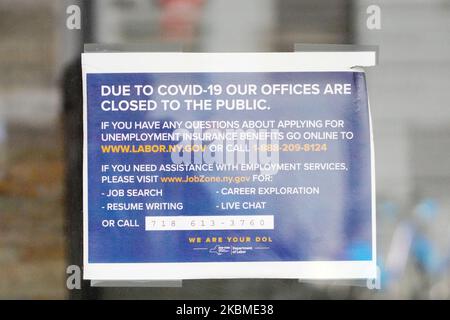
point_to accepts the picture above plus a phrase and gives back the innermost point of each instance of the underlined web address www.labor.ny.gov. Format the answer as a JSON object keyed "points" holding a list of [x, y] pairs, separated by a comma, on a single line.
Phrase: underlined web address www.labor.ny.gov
{"points": [[152, 148]]}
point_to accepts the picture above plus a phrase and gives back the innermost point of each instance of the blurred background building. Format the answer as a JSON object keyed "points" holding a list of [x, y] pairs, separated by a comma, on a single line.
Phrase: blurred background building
{"points": [[409, 92]]}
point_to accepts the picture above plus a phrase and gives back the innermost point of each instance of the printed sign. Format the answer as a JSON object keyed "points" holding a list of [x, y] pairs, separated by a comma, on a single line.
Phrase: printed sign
{"points": [[238, 165]]}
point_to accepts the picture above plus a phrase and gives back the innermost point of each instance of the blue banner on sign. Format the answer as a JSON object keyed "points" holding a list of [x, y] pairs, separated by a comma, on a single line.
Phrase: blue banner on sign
{"points": [[228, 167]]}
